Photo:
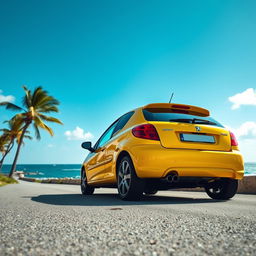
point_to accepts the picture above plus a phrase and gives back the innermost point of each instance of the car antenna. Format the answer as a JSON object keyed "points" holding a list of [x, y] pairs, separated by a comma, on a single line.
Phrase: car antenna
{"points": [[171, 98]]}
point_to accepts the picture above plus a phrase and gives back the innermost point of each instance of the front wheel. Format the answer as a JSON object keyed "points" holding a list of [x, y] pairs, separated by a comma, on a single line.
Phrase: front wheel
{"points": [[130, 187], [222, 189], [85, 188]]}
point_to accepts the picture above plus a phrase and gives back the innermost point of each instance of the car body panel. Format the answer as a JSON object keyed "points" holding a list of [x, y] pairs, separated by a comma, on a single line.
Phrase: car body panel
{"points": [[169, 133], [193, 110], [96, 166], [155, 159]]}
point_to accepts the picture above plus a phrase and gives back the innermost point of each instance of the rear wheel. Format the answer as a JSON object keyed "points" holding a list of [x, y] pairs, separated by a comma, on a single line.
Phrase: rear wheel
{"points": [[85, 188], [222, 189], [130, 187]]}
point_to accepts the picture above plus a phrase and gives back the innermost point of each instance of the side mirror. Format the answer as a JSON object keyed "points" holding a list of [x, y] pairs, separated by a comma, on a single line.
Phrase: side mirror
{"points": [[87, 145]]}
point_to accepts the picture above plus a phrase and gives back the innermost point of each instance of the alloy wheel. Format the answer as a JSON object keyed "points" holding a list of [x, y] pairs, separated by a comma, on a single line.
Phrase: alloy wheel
{"points": [[124, 177], [83, 180], [216, 190]]}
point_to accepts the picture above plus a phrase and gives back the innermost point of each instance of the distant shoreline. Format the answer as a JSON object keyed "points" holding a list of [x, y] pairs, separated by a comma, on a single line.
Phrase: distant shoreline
{"points": [[71, 181]]}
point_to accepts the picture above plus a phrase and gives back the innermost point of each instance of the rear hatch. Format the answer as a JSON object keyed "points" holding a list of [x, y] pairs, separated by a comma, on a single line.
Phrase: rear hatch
{"points": [[179, 128]]}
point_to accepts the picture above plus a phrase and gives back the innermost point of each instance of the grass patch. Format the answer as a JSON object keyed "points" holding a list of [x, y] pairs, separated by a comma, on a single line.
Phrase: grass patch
{"points": [[4, 180]]}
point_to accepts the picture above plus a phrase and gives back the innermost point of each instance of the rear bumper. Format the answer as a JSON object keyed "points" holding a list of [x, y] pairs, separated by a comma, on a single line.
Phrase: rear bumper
{"points": [[154, 161]]}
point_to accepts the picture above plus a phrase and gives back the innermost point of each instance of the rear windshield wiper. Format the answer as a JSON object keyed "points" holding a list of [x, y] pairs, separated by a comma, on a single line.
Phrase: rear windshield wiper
{"points": [[192, 121]]}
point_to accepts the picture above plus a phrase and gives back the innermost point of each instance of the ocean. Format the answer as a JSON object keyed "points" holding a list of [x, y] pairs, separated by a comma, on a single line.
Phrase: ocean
{"points": [[42, 171]]}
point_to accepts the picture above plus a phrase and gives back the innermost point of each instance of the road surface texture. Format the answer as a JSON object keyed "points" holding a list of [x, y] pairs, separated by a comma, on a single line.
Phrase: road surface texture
{"points": [[47, 219]]}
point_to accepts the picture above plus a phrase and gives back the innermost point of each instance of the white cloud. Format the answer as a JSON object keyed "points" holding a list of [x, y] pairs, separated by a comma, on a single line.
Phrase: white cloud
{"points": [[50, 145], [8, 98], [246, 130], [246, 136], [247, 97], [78, 134]]}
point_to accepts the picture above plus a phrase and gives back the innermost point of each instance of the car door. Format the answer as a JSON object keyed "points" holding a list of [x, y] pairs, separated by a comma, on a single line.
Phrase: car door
{"points": [[112, 145], [96, 166]]}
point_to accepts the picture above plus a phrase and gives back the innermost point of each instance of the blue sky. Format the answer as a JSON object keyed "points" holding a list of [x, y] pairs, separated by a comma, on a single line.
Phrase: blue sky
{"points": [[104, 58]]}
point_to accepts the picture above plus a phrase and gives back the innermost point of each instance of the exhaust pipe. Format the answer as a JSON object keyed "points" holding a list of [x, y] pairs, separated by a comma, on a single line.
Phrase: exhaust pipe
{"points": [[172, 177], [169, 178], [175, 178]]}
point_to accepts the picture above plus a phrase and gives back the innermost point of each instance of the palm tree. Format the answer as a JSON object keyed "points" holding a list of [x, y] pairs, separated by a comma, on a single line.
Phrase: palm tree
{"points": [[3, 143], [35, 104], [8, 137]]}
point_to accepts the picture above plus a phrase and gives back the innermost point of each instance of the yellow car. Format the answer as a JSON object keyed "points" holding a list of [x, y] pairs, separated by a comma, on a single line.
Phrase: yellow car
{"points": [[163, 146]]}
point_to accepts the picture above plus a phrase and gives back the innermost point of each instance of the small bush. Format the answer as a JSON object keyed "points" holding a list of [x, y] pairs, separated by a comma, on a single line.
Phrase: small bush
{"points": [[6, 180]]}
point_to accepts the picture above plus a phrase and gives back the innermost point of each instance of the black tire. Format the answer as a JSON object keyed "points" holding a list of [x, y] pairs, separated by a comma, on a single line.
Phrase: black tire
{"points": [[129, 186], [150, 192], [222, 189], [85, 188]]}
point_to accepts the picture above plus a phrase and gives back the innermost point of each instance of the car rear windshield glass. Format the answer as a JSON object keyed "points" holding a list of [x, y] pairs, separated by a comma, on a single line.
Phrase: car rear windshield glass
{"points": [[178, 117]]}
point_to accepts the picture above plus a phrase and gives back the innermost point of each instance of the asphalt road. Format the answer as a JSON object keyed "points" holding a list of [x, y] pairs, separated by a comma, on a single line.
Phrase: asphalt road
{"points": [[46, 219]]}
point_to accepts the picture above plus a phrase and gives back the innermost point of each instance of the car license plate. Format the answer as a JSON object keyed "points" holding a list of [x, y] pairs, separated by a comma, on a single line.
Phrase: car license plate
{"points": [[189, 137]]}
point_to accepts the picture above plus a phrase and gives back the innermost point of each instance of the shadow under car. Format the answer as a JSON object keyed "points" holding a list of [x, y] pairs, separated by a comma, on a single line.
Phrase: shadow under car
{"points": [[113, 199]]}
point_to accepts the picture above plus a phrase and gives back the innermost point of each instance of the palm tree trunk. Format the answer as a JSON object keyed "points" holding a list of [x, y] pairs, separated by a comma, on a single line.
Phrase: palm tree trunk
{"points": [[9, 148], [18, 150]]}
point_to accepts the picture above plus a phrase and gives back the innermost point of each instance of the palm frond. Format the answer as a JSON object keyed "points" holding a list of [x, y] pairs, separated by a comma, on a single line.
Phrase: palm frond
{"points": [[48, 129], [46, 101], [42, 102], [37, 132], [50, 119], [16, 122], [38, 96], [42, 125], [27, 98], [16, 126], [4, 130], [48, 109], [9, 105], [49, 100], [4, 139], [28, 137]]}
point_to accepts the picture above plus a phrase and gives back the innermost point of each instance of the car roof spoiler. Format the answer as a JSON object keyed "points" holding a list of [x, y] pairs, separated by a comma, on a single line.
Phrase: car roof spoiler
{"points": [[177, 108]]}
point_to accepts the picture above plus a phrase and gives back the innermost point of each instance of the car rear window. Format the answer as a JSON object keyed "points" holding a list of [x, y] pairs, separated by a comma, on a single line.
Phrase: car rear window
{"points": [[165, 116]]}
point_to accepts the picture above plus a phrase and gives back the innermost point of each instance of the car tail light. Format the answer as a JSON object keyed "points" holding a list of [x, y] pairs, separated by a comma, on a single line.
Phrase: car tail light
{"points": [[145, 131], [233, 139]]}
